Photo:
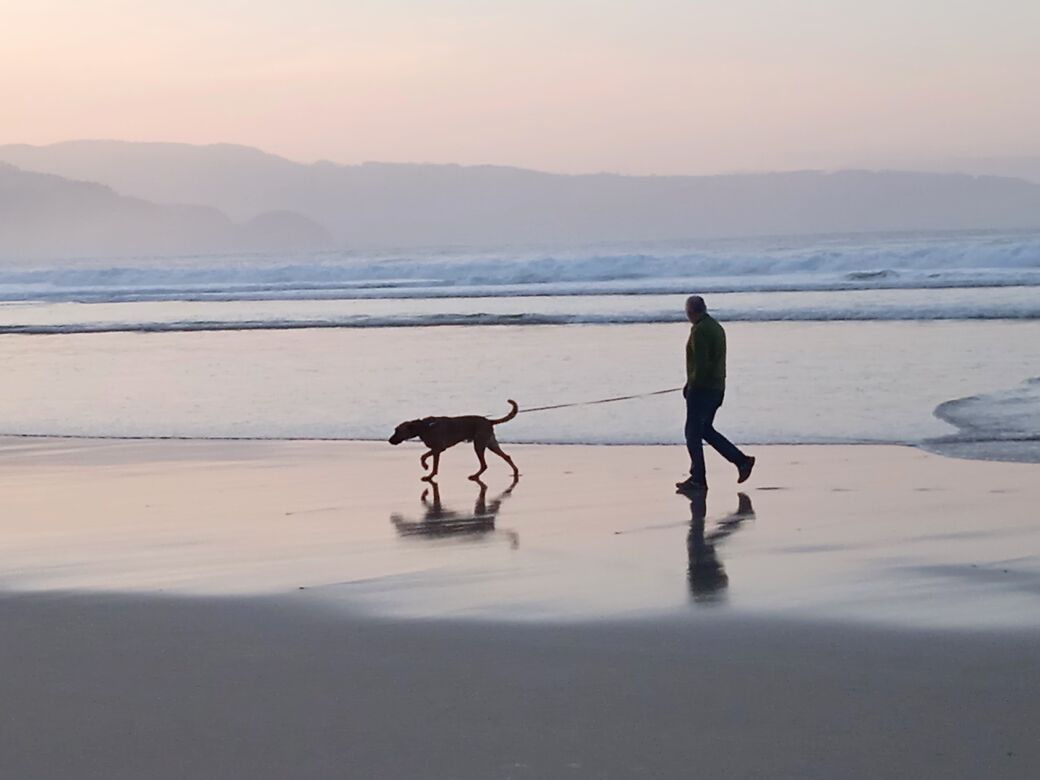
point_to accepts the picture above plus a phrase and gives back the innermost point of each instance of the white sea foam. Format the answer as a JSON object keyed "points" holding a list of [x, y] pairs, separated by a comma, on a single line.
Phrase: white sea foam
{"points": [[1004, 425]]}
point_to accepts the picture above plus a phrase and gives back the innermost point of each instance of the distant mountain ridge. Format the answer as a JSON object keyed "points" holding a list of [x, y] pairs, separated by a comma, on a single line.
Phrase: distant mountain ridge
{"points": [[400, 205], [48, 215], [1020, 167]]}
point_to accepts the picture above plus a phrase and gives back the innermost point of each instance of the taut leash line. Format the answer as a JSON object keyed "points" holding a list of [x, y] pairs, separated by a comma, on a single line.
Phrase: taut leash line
{"points": [[601, 400]]}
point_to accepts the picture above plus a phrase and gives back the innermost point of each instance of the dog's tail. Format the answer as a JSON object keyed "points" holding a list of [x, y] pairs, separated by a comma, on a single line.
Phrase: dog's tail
{"points": [[513, 413]]}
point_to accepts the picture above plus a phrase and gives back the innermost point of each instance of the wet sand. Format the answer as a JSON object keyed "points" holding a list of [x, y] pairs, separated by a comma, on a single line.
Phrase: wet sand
{"points": [[299, 609]]}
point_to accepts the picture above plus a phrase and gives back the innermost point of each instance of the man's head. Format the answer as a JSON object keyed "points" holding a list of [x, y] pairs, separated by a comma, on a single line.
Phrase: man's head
{"points": [[695, 308]]}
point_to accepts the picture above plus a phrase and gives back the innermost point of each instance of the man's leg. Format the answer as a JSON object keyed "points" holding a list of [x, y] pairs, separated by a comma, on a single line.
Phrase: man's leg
{"points": [[722, 445], [698, 415], [726, 448]]}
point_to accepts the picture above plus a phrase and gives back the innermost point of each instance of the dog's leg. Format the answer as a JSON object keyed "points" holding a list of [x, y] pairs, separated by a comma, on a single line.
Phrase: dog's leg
{"points": [[493, 446], [435, 509], [480, 507], [423, 460], [478, 447], [436, 462]]}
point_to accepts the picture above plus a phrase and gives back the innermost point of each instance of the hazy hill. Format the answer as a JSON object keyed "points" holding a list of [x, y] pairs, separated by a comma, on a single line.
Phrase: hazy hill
{"points": [[240, 181], [47, 215], [1027, 168], [379, 204]]}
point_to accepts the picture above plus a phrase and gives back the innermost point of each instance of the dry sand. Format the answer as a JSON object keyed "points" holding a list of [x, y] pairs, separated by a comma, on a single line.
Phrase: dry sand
{"points": [[277, 610]]}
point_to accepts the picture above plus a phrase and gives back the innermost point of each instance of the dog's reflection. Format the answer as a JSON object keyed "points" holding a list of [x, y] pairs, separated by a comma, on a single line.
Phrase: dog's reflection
{"points": [[440, 523], [706, 573]]}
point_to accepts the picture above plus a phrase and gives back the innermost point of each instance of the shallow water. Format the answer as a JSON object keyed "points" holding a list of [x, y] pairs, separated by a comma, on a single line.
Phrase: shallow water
{"points": [[789, 382]]}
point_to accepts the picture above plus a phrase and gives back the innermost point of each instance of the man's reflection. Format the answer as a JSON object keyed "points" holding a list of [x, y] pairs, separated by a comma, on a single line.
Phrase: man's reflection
{"points": [[439, 522], [706, 574]]}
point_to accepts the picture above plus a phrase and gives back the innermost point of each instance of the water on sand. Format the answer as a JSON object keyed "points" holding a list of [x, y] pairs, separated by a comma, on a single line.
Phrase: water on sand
{"points": [[881, 535]]}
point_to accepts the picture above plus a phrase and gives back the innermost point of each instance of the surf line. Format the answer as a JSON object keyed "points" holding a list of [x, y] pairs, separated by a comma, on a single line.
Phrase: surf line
{"points": [[601, 400]]}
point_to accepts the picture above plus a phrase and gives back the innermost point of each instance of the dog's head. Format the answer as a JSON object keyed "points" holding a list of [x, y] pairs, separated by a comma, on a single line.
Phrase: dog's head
{"points": [[406, 430]]}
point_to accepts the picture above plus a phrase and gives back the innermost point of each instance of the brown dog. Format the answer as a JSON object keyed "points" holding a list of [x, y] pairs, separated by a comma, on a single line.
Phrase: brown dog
{"points": [[440, 433]]}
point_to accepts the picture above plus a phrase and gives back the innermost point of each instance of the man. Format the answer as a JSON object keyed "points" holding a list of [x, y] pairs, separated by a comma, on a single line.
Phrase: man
{"points": [[704, 391]]}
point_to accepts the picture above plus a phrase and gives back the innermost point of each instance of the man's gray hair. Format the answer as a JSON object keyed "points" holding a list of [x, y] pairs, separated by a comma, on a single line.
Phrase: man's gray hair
{"points": [[696, 304]]}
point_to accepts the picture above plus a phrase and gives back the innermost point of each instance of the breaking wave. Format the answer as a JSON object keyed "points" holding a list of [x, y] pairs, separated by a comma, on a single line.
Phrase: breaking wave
{"points": [[835, 263], [808, 314]]}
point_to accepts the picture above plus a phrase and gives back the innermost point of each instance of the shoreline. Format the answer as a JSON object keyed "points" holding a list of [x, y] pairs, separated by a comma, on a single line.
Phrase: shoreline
{"points": [[321, 439], [991, 450]]}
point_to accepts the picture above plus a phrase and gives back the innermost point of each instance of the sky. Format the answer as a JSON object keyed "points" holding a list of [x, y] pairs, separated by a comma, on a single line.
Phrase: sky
{"points": [[650, 86]]}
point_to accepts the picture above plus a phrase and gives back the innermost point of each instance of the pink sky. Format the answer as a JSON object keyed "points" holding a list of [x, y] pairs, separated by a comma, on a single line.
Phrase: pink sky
{"points": [[661, 86]]}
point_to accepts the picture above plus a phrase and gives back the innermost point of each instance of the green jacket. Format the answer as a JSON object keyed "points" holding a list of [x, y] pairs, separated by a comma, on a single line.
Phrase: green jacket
{"points": [[706, 355]]}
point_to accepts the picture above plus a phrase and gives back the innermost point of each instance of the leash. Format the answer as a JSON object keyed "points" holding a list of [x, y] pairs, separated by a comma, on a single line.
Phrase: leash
{"points": [[601, 400]]}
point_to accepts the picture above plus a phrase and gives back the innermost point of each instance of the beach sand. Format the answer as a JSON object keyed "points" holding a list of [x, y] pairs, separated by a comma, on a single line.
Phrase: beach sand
{"points": [[258, 609]]}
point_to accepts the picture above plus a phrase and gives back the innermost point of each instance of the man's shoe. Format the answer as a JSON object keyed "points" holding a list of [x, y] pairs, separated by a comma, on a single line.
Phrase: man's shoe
{"points": [[691, 485], [744, 469]]}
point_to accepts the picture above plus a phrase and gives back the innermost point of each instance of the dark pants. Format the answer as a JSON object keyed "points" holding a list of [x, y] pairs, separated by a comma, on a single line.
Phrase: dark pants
{"points": [[701, 405]]}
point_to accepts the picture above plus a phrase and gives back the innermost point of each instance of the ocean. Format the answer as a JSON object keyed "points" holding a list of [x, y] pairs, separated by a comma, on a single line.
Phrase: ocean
{"points": [[925, 339]]}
